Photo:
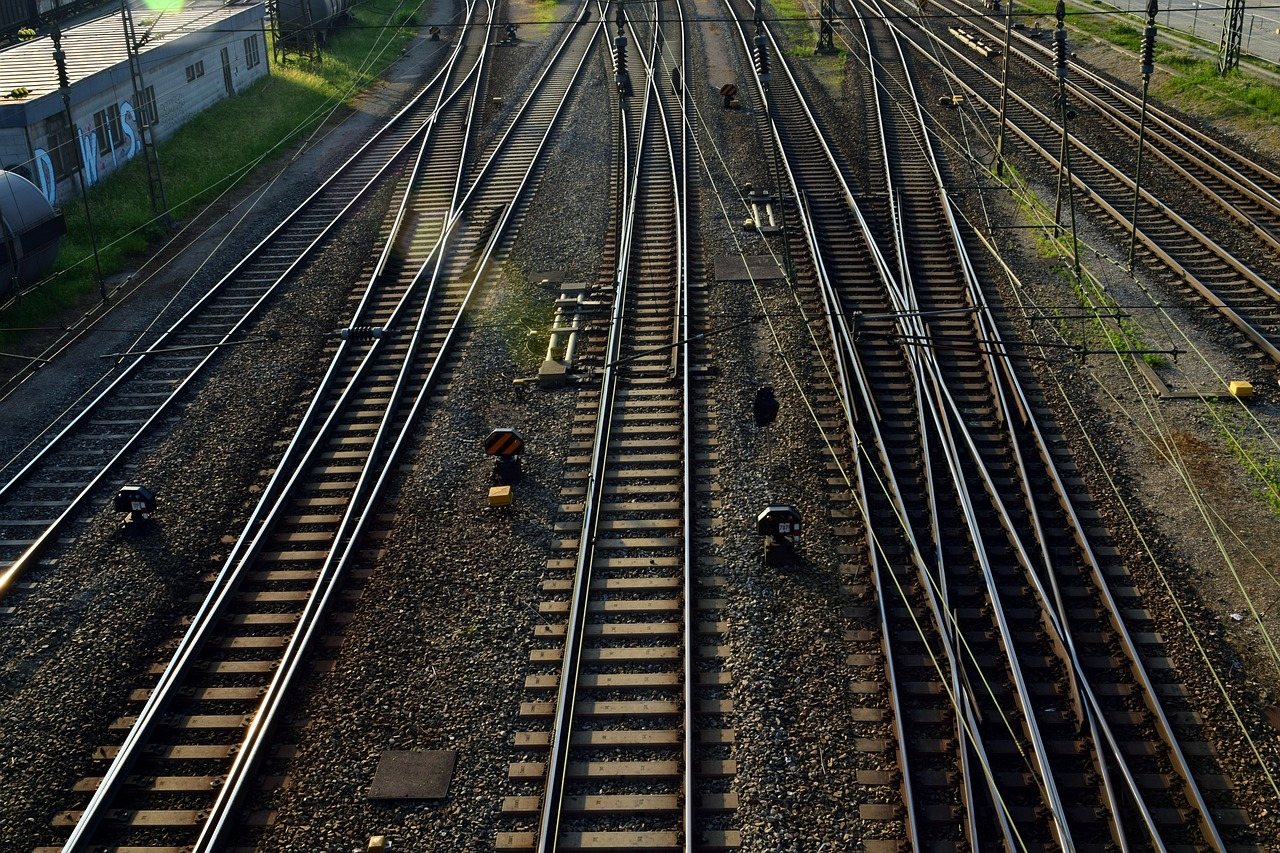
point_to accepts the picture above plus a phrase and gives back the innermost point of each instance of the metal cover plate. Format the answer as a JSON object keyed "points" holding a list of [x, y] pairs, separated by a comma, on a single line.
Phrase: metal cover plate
{"points": [[413, 775], [747, 268]]}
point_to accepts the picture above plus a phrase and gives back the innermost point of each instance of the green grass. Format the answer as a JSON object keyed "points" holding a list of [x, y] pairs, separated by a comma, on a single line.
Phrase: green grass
{"points": [[799, 25], [1195, 78], [543, 13], [1233, 94], [208, 154], [1124, 35], [1251, 448]]}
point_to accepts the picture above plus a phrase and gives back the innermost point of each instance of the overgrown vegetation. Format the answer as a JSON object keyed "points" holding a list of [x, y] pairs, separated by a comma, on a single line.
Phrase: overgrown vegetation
{"points": [[1255, 450], [1195, 78], [210, 153], [799, 25], [543, 13], [1115, 332]]}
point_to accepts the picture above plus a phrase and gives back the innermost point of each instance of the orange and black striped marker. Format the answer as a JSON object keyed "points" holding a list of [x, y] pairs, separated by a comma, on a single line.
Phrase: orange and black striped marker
{"points": [[503, 442]]}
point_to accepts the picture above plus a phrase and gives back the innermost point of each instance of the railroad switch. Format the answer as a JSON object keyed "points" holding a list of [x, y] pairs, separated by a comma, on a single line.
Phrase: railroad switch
{"points": [[140, 503], [780, 525]]}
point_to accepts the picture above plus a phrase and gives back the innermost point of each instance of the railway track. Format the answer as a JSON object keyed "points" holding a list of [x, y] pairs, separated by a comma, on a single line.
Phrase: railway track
{"points": [[205, 728], [67, 469], [1010, 723], [1244, 189], [1203, 262], [624, 743]]}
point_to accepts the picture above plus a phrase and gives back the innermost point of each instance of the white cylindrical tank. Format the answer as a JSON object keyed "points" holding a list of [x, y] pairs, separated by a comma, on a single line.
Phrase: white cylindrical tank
{"points": [[30, 232]]}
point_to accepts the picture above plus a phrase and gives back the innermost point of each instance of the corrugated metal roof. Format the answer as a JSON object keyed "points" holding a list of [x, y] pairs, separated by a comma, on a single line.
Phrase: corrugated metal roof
{"points": [[98, 45]]}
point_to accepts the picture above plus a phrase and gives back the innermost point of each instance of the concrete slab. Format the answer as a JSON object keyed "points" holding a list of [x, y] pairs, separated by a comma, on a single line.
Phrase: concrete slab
{"points": [[413, 775], [747, 268]]}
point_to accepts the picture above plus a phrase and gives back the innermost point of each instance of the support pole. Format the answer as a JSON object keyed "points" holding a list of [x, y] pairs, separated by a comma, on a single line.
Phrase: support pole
{"points": [[1064, 167], [1148, 65], [1232, 34], [1004, 87], [826, 28], [77, 162], [143, 107]]}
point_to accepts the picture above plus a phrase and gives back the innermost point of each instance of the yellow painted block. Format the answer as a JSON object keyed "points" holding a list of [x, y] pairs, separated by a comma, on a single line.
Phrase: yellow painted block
{"points": [[500, 496], [1240, 388], [378, 843]]}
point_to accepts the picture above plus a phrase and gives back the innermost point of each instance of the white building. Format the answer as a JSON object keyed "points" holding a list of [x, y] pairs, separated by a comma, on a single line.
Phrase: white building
{"points": [[190, 59]]}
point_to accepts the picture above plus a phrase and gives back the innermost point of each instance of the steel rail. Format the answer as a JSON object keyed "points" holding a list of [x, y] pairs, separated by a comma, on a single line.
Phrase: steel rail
{"points": [[373, 475], [206, 620], [1096, 720], [863, 481], [939, 609], [15, 570], [1063, 637], [845, 346], [1178, 268], [681, 367], [1209, 162], [356, 515], [1207, 152], [653, 118], [927, 362], [558, 759], [1057, 617]]}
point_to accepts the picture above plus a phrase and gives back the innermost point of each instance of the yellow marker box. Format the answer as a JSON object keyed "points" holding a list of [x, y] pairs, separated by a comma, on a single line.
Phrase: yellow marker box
{"points": [[500, 496], [1240, 388]]}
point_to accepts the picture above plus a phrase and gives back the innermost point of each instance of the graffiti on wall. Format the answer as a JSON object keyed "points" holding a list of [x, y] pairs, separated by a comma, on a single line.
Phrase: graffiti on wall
{"points": [[97, 163]]}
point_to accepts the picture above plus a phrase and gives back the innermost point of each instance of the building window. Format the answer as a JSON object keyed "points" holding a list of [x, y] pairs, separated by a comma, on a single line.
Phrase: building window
{"points": [[252, 53], [106, 123], [146, 109], [195, 71], [62, 146]]}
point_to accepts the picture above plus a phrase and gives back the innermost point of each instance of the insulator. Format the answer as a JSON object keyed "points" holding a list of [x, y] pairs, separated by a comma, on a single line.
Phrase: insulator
{"points": [[620, 57], [762, 56], [60, 61], [1148, 50], [1060, 51], [361, 333]]}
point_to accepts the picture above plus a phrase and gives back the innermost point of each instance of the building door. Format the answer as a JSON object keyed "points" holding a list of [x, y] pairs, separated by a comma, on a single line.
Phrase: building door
{"points": [[226, 71]]}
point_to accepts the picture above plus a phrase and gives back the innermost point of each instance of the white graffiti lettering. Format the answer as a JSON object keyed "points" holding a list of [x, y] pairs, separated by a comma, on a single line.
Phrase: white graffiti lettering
{"points": [[45, 180], [88, 140], [130, 133]]}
